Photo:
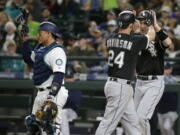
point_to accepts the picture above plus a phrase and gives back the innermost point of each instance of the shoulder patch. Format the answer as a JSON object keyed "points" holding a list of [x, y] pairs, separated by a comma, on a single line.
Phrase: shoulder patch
{"points": [[59, 62]]}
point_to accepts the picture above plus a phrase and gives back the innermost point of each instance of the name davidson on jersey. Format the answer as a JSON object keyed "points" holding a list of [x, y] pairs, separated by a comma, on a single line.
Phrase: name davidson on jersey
{"points": [[119, 43]]}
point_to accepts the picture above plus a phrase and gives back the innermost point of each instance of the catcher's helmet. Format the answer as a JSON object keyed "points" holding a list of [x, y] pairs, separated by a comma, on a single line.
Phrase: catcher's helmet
{"points": [[145, 14], [50, 27], [125, 18]]}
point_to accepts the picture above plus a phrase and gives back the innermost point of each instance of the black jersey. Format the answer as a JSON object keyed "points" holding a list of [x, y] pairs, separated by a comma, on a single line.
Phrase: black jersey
{"points": [[151, 60], [123, 50]]}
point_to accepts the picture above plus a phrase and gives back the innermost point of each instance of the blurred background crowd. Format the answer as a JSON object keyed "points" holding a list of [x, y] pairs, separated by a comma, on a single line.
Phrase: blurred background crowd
{"points": [[84, 26]]}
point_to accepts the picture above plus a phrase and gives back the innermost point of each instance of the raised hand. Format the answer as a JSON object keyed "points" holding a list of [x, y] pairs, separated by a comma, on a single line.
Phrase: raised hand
{"points": [[156, 25], [154, 16]]}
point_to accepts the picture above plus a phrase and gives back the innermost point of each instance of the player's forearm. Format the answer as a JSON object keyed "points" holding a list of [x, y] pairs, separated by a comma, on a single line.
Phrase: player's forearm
{"points": [[136, 27], [57, 83], [157, 28], [167, 42], [151, 34], [26, 52], [160, 33]]}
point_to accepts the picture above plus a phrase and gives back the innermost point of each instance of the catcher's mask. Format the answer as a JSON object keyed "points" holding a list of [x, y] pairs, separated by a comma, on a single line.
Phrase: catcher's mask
{"points": [[48, 111]]}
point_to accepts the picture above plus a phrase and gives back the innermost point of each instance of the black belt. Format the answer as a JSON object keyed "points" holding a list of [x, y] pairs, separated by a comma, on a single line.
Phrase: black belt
{"points": [[142, 77], [116, 80], [42, 89]]}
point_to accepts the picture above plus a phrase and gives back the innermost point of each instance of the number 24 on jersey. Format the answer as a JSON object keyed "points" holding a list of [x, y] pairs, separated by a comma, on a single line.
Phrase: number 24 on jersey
{"points": [[116, 59]]}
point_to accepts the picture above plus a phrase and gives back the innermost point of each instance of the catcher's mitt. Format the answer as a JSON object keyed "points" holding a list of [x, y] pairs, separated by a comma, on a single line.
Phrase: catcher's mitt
{"points": [[48, 111]]}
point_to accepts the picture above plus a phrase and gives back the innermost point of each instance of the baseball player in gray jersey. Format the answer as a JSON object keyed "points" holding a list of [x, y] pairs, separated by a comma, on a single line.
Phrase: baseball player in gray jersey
{"points": [[123, 49], [150, 67]]}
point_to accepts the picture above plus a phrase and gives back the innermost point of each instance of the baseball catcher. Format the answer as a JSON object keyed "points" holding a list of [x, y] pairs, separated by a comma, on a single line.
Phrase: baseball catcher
{"points": [[48, 60]]}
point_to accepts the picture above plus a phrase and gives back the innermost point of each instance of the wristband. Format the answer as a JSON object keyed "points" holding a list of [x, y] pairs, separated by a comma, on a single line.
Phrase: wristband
{"points": [[54, 88], [162, 35]]}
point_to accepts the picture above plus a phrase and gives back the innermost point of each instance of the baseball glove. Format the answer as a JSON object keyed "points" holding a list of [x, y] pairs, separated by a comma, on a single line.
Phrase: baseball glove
{"points": [[48, 112], [21, 20]]}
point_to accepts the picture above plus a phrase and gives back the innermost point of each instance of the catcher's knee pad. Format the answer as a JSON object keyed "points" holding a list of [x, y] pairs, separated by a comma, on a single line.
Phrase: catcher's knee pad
{"points": [[32, 125], [58, 132], [58, 129]]}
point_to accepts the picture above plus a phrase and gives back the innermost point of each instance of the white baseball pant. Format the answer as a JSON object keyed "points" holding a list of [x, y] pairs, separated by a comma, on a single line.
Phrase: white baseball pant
{"points": [[166, 122], [120, 107], [68, 115], [60, 100], [146, 97]]}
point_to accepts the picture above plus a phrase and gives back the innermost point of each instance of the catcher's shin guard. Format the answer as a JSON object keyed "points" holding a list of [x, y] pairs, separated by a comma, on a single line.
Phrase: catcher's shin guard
{"points": [[50, 128], [32, 125]]}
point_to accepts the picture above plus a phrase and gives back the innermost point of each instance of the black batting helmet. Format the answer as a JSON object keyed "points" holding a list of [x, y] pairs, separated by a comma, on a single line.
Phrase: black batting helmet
{"points": [[125, 18], [145, 14], [50, 27]]}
